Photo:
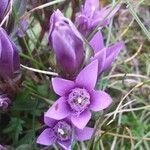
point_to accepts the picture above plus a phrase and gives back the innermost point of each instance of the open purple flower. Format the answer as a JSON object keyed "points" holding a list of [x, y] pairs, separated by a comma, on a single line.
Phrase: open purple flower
{"points": [[78, 97], [62, 132], [91, 15], [66, 42], [3, 8], [9, 58], [104, 55], [4, 102]]}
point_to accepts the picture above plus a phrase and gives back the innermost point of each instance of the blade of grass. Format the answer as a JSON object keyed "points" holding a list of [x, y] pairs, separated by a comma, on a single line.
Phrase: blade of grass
{"points": [[132, 11], [40, 71]]}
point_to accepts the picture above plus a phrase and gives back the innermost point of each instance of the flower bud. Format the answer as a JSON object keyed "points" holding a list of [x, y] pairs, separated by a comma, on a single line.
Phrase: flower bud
{"points": [[9, 58], [66, 42]]}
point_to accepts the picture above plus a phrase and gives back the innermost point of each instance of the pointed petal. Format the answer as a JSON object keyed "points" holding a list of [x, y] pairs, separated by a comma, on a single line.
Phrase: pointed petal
{"points": [[85, 134], [111, 12], [58, 110], [66, 145], [97, 42], [111, 53], [49, 121], [100, 100], [115, 48], [101, 57], [88, 76], [82, 120], [62, 86], [47, 137], [104, 15], [90, 7]]}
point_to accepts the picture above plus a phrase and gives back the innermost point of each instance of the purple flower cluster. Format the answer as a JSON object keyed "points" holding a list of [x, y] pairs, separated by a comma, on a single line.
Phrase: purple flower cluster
{"points": [[68, 117]]}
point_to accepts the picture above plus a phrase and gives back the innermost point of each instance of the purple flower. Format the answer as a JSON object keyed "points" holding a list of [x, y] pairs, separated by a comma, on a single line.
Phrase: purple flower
{"points": [[104, 55], [91, 15], [4, 102], [63, 133], [9, 58], [78, 97], [21, 32], [3, 7], [66, 42], [2, 147]]}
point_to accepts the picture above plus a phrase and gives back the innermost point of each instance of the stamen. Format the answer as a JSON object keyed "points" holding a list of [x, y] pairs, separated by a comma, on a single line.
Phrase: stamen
{"points": [[61, 131], [78, 99]]}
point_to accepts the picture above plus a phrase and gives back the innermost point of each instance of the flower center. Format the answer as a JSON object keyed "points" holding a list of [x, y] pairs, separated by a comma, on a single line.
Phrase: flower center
{"points": [[78, 100], [63, 130]]}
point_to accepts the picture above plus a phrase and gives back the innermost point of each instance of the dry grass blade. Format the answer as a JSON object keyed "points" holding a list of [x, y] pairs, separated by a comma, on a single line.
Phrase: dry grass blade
{"points": [[136, 54], [127, 75], [125, 136], [40, 71], [130, 134], [129, 110], [42, 6], [119, 105]]}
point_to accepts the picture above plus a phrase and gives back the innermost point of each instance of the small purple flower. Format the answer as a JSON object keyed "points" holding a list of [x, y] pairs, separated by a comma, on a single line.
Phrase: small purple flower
{"points": [[63, 133], [9, 58], [21, 32], [3, 8], [104, 55], [78, 97], [91, 15], [66, 42], [4, 102]]}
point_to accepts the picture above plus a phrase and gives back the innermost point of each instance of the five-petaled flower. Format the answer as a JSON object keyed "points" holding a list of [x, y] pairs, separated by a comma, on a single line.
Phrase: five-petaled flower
{"points": [[62, 132], [78, 97]]}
